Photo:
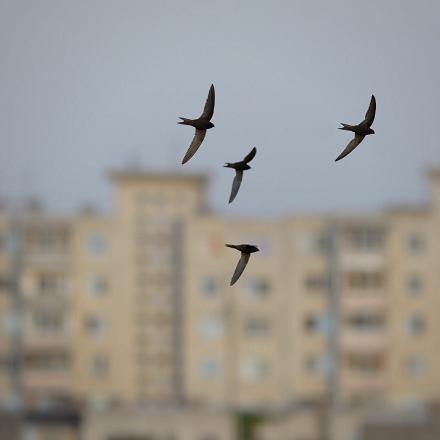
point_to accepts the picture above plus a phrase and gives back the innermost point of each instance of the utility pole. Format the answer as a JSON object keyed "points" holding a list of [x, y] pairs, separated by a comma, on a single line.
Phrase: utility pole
{"points": [[333, 319]]}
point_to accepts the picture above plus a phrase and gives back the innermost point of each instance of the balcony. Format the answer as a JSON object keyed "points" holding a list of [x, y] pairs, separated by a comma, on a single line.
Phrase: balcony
{"points": [[36, 342], [44, 298], [363, 341], [364, 261], [47, 380], [356, 381], [47, 259], [365, 301]]}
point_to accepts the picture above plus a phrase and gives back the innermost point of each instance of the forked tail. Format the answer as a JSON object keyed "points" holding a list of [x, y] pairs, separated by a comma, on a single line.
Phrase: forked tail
{"points": [[184, 121], [346, 127]]}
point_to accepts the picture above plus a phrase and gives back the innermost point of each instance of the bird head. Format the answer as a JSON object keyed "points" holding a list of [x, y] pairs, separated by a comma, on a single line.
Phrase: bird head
{"points": [[370, 131], [210, 125]]}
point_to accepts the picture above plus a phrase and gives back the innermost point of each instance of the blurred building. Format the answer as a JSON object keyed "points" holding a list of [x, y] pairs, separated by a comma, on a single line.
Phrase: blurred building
{"points": [[134, 309], [129, 291], [270, 340], [36, 318]]}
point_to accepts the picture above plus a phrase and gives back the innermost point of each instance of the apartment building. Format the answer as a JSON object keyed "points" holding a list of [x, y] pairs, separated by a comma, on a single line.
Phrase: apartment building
{"points": [[135, 308], [36, 307], [129, 296], [345, 305]]}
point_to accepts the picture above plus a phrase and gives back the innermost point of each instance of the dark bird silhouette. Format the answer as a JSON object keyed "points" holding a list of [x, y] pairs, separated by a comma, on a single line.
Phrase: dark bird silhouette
{"points": [[246, 251], [201, 124], [239, 167], [361, 130]]}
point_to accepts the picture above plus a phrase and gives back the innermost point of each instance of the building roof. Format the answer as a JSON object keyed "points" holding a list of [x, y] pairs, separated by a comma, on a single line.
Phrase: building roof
{"points": [[168, 176]]}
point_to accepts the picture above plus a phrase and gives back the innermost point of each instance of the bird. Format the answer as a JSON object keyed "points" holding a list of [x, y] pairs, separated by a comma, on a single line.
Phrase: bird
{"points": [[246, 251], [361, 130], [239, 167], [201, 124]]}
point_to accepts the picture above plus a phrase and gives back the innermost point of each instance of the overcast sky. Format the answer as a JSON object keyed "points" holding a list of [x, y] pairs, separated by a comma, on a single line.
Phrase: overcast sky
{"points": [[90, 85]]}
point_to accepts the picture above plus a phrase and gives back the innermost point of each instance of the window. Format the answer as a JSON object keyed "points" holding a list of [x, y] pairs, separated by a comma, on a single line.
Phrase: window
{"points": [[366, 238], [365, 322], [316, 282], [48, 321], [365, 363], [47, 283], [48, 361], [259, 288], [5, 282], [211, 328], [414, 284], [210, 369], [9, 322], [209, 287], [255, 369], [416, 324], [416, 365], [364, 280], [97, 244], [98, 285], [416, 243], [45, 239], [95, 325], [257, 327], [314, 323], [101, 365], [315, 243]]}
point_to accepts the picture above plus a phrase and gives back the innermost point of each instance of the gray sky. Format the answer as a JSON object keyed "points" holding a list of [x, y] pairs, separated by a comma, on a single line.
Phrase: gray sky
{"points": [[88, 85]]}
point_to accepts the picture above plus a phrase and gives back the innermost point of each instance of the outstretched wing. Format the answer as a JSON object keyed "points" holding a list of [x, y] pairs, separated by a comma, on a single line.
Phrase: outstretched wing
{"points": [[371, 112], [240, 267], [195, 144], [250, 156], [236, 184], [351, 146], [208, 110]]}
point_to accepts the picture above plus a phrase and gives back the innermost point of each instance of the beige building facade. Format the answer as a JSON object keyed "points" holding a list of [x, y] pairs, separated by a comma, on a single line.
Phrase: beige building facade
{"points": [[135, 308]]}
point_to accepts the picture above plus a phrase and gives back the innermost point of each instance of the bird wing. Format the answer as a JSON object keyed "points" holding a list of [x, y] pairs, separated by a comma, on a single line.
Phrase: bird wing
{"points": [[371, 112], [240, 267], [195, 144], [208, 110], [236, 184], [351, 146], [250, 156]]}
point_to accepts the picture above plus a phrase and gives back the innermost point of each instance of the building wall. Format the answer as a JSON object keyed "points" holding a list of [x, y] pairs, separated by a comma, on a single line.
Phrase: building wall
{"points": [[414, 253], [136, 307], [45, 288], [135, 354]]}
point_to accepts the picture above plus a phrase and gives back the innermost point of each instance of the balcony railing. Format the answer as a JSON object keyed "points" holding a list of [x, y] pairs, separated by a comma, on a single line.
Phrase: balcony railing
{"points": [[47, 380], [365, 261], [44, 341], [356, 341], [365, 301], [356, 381]]}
